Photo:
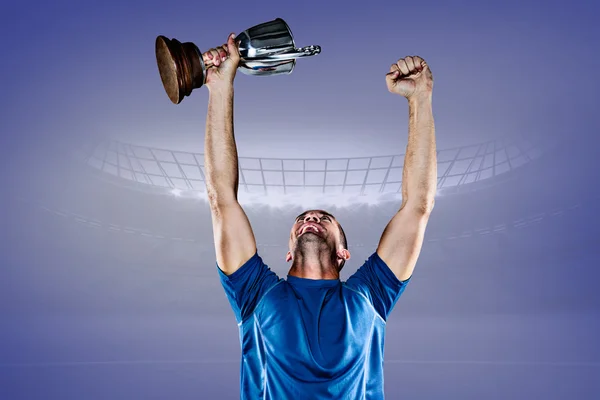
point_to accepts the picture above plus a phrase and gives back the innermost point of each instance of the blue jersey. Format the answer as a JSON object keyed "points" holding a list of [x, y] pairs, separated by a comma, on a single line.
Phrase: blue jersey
{"points": [[312, 338]]}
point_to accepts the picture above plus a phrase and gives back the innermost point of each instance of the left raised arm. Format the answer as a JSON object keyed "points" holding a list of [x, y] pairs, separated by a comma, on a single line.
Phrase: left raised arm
{"points": [[402, 239]]}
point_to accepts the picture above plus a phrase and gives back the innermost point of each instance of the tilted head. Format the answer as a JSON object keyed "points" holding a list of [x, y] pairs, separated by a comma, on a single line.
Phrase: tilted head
{"points": [[318, 230]]}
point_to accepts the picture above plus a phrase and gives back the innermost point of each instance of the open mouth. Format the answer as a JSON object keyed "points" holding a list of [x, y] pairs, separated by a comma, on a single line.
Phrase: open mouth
{"points": [[309, 228]]}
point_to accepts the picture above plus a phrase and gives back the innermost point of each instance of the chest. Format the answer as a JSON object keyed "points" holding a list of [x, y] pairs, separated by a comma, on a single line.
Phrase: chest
{"points": [[322, 326]]}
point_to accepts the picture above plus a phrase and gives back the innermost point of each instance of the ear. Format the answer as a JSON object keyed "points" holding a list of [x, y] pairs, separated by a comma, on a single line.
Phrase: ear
{"points": [[288, 256], [343, 254]]}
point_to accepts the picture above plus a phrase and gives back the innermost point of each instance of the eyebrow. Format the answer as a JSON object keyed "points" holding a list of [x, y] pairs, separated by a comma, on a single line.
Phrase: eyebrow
{"points": [[323, 213]]}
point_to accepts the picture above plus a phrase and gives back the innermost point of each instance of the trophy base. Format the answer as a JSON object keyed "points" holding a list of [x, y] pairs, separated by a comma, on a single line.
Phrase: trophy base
{"points": [[180, 66]]}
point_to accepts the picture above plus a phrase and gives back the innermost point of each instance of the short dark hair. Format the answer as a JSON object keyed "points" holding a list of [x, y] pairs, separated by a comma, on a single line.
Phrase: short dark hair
{"points": [[344, 240], [344, 244]]}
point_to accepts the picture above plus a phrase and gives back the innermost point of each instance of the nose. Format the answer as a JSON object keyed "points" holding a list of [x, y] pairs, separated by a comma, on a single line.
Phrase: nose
{"points": [[311, 217]]}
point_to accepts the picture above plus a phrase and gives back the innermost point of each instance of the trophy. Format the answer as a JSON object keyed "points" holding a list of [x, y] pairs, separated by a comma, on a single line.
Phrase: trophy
{"points": [[265, 49]]}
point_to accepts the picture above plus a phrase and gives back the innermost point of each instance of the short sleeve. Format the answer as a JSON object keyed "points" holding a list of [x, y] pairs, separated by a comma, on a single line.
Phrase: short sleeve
{"points": [[246, 286], [378, 283]]}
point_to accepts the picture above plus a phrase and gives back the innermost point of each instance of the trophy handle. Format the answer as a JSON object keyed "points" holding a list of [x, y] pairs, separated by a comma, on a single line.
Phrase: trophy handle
{"points": [[288, 55]]}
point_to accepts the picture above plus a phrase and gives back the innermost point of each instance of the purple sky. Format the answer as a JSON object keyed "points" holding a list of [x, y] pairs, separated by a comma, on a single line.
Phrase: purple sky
{"points": [[94, 315], [511, 68]]}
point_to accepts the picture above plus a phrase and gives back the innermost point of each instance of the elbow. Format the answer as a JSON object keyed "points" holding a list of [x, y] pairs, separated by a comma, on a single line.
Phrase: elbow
{"points": [[219, 198], [426, 207], [422, 206]]}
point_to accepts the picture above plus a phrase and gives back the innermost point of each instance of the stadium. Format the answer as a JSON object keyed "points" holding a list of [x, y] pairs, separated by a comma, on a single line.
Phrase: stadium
{"points": [[112, 281]]}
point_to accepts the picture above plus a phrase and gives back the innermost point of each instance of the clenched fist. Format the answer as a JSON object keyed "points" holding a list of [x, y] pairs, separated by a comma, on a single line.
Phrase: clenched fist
{"points": [[225, 60], [409, 77]]}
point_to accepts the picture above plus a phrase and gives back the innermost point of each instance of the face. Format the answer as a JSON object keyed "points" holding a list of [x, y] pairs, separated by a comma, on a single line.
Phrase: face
{"points": [[315, 227]]}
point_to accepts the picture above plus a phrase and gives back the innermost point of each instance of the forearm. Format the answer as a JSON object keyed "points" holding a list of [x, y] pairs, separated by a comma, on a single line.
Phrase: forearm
{"points": [[419, 176], [220, 152]]}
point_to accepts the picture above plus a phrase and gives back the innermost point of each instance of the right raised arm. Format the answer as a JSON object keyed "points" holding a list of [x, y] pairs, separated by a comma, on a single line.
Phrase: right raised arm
{"points": [[234, 240]]}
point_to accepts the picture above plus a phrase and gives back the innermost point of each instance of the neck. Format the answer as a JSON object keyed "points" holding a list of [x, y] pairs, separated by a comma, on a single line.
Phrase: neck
{"points": [[314, 265]]}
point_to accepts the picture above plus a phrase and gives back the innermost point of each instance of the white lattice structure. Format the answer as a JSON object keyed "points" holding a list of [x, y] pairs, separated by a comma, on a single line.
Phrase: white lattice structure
{"points": [[183, 172]]}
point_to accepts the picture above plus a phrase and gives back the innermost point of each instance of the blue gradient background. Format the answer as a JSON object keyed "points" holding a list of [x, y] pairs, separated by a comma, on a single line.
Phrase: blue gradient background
{"points": [[89, 315]]}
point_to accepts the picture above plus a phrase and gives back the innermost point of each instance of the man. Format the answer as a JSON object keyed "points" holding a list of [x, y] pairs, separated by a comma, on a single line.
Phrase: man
{"points": [[312, 336]]}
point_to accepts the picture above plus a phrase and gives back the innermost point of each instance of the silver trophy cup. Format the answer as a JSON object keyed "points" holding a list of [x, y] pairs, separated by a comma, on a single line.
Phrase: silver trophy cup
{"points": [[265, 49]]}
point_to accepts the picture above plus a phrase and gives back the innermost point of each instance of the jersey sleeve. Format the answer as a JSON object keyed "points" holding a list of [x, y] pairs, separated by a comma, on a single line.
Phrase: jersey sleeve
{"points": [[375, 280], [246, 286]]}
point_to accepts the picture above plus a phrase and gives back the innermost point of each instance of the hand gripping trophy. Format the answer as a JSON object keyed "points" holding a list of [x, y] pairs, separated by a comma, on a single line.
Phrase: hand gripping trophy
{"points": [[265, 49]]}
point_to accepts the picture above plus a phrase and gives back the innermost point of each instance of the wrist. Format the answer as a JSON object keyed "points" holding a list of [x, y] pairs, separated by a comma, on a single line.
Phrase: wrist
{"points": [[220, 88], [422, 98]]}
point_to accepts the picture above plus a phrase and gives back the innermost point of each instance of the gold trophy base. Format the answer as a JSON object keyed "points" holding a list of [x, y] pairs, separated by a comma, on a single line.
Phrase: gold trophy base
{"points": [[180, 66]]}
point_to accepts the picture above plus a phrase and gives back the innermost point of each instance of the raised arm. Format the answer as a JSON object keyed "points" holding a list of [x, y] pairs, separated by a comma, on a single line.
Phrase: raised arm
{"points": [[402, 239], [234, 240]]}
